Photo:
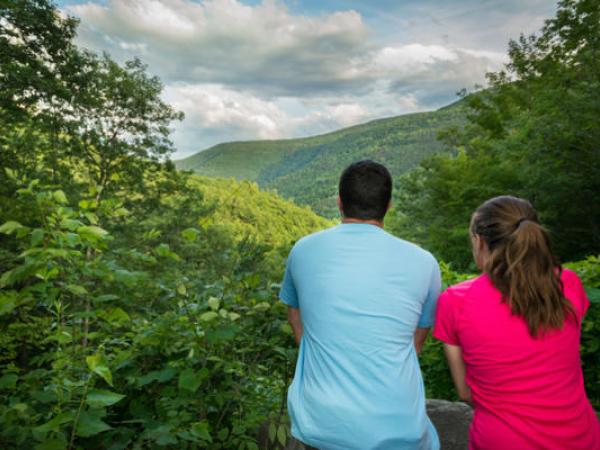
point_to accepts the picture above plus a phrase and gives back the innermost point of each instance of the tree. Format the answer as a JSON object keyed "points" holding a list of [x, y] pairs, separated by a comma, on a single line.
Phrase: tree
{"points": [[534, 133]]}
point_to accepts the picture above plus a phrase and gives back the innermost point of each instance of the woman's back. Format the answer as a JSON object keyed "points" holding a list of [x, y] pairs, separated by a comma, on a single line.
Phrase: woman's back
{"points": [[527, 391]]}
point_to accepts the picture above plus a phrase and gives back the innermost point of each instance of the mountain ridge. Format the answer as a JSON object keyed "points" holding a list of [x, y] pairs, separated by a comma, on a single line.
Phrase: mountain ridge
{"points": [[306, 169]]}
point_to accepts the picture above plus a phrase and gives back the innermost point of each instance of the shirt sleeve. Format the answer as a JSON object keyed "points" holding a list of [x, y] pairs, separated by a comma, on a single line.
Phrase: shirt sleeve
{"points": [[446, 323], [583, 302], [433, 292], [287, 293]]}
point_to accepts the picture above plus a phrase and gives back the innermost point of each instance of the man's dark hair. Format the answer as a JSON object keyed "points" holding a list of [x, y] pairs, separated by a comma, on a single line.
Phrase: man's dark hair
{"points": [[365, 189]]}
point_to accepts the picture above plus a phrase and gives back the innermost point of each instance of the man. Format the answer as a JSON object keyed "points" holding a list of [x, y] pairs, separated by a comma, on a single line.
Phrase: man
{"points": [[361, 303]]}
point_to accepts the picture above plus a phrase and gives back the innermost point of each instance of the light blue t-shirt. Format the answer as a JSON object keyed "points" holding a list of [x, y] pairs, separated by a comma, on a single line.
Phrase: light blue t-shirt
{"points": [[362, 293]]}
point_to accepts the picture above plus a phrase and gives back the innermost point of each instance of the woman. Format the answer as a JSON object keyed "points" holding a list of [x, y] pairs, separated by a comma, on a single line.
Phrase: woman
{"points": [[512, 336]]}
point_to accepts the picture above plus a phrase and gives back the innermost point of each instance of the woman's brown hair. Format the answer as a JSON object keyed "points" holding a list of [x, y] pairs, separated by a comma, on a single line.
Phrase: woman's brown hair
{"points": [[521, 263]]}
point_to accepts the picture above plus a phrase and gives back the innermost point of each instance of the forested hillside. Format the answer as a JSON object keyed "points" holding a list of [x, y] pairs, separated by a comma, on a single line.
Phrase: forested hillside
{"points": [[307, 169]]}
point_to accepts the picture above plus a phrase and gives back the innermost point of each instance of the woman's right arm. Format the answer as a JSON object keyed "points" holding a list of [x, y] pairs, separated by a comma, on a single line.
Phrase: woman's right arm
{"points": [[457, 369]]}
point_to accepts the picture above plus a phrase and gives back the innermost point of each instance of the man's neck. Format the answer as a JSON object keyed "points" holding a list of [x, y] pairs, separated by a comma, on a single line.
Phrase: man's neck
{"points": [[377, 223]]}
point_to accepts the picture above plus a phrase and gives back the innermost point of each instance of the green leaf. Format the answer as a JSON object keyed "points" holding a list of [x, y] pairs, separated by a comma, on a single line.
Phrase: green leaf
{"points": [[97, 364], [262, 306], [8, 381], [11, 173], [77, 289], [92, 232], [105, 298], [162, 435], [213, 303], [20, 407], [90, 424], [128, 278], [55, 423], [272, 432], [593, 294], [52, 444], [208, 316], [99, 398], [91, 217], [37, 236], [201, 431], [190, 234], [189, 380], [70, 224], [7, 278], [222, 333], [8, 301], [281, 435], [60, 197], [223, 433], [10, 227], [164, 251], [117, 317], [161, 376], [120, 212]]}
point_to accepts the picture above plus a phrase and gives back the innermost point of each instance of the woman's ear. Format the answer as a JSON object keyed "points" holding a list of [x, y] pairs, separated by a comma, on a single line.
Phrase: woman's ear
{"points": [[480, 250], [478, 243]]}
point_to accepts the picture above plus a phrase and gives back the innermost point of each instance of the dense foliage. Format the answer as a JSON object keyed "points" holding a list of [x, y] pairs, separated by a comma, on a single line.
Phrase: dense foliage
{"points": [[307, 170], [534, 133]]}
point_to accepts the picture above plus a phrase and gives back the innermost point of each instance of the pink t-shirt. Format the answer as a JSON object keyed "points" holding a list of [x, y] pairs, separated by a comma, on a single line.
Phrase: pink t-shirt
{"points": [[527, 393]]}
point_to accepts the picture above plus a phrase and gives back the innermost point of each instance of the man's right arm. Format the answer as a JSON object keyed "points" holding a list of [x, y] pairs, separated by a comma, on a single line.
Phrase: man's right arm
{"points": [[289, 296], [295, 322]]}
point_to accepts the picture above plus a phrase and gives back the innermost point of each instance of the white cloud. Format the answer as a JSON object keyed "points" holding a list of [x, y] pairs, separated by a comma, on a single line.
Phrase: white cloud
{"points": [[213, 110], [411, 58], [346, 114], [260, 71], [225, 41]]}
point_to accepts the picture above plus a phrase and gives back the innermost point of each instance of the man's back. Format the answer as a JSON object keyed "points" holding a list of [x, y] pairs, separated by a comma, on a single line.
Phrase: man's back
{"points": [[361, 293]]}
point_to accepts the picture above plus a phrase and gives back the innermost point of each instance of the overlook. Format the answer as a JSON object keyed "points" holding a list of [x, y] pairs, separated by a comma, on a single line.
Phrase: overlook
{"points": [[141, 279]]}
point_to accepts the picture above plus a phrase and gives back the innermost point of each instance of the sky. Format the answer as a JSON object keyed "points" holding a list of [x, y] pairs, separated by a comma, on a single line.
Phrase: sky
{"points": [[270, 69]]}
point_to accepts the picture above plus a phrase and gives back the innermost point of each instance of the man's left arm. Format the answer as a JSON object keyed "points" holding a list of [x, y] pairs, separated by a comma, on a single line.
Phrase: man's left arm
{"points": [[420, 338], [295, 322], [428, 311]]}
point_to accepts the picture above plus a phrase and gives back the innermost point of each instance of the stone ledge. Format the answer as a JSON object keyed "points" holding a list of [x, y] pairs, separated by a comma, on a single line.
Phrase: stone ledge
{"points": [[451, 419]]}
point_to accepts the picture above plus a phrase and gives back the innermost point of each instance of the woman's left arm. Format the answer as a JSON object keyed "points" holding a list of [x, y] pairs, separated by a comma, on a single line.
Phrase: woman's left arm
{"points": [[458, 371]]}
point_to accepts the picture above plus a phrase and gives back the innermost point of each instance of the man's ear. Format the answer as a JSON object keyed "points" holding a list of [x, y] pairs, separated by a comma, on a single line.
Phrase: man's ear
{"points": [[340, 205]]}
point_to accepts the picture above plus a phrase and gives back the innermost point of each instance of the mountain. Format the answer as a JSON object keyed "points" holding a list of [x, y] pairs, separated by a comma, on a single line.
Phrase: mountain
{"points": [[307, 169]]}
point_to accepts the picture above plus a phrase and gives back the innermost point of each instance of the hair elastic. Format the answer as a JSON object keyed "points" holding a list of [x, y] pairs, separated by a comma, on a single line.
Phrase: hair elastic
{"points": [[521, 220]]}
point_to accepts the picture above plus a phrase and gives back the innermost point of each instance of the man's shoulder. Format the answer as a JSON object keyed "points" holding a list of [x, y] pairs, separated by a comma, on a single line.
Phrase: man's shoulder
{"points": [[313, 239], [411, 249]]}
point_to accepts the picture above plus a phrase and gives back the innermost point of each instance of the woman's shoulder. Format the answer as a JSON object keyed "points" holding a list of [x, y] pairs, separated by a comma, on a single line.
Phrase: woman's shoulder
{"points": [[462, 290], [569, 276], [574, 291]]}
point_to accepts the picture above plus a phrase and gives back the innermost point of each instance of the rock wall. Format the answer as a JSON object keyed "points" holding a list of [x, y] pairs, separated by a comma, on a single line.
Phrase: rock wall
{"points": [[451, 419]]}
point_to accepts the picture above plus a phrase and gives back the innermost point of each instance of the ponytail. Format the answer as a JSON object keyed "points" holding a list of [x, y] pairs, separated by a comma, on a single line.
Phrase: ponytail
{"points": [[521, 263]]}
